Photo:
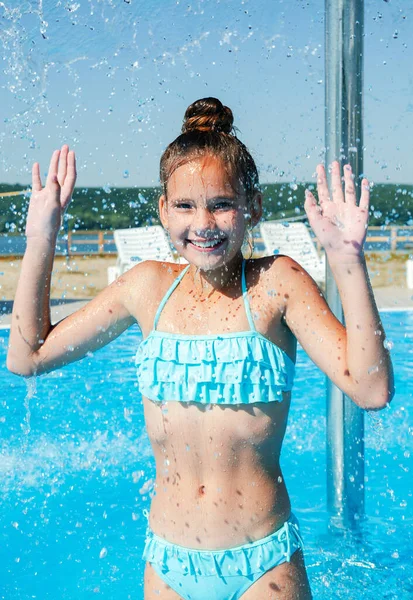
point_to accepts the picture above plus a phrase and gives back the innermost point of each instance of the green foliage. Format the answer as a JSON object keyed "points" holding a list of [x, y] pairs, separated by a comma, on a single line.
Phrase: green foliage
{"points": [[117, 208], [390, 204]]}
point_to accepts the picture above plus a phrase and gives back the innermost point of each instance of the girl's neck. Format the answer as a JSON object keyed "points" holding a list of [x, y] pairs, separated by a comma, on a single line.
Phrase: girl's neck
{"points": [[223, 279]]}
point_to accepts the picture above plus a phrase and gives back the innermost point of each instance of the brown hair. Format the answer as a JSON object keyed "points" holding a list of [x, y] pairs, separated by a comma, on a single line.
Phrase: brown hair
{"points": [[208, 130]]}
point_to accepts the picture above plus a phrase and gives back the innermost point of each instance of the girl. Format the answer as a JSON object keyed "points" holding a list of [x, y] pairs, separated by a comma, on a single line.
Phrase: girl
{"points": [[216, 364]]}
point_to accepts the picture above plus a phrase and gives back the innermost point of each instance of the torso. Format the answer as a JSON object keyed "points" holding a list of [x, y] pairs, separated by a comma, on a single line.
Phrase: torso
{"points": [[218, 479]]}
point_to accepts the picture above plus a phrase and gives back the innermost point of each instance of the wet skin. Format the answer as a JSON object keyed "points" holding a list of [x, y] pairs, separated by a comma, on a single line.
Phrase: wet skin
{"points": [[218, 479], [219, 482]]}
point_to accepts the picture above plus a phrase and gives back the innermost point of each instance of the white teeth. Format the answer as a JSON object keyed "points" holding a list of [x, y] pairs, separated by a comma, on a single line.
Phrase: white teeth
{"points": [[208, 244]]}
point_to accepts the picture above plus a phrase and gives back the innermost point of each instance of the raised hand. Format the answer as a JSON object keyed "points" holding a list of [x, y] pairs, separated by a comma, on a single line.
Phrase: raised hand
{"points": [[339, 224], [48, 203]]}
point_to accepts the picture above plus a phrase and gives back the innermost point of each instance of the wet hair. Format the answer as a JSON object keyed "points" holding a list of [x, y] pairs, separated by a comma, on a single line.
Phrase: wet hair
{"points": [[208, 130]]}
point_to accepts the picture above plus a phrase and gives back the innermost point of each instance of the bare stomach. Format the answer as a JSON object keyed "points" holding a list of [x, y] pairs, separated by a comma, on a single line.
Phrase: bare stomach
{"points": [[218, 482]]}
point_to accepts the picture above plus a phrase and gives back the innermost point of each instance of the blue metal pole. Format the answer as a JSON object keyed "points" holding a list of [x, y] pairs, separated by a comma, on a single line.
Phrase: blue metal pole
{"points": [[344, 142]]}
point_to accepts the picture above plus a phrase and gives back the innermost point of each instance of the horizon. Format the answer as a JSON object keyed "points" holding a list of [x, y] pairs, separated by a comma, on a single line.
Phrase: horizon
{"points": [[137, 187]]}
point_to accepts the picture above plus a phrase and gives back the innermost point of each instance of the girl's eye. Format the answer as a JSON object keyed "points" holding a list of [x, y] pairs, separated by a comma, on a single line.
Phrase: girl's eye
{"points": [[223, 205]]}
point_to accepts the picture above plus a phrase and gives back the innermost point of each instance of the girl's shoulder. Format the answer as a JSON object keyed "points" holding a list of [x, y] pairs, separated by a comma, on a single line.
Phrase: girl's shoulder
{"points": [[145, 285], [150, 272], [280, 271], [276, 265]]}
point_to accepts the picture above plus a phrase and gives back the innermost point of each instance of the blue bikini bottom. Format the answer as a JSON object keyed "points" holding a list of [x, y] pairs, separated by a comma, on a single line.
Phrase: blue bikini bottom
{"points": [[220, 574]]}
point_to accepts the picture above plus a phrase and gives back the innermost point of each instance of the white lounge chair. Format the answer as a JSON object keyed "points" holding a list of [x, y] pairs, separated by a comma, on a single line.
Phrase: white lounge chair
{"points": [[137, 244], [409, 274], [294, 240]]}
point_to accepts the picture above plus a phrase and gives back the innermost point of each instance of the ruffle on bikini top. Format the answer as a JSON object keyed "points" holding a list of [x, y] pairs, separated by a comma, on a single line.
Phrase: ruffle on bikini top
{"points": [[236, 368], [241, 560]]}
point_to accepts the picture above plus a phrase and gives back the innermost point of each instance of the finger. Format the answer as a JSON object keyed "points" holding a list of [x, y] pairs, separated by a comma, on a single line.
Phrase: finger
{"points": [[322, 187], [61, 172], [349, 187], [313, 210], [365, 195], [52, 174], [71, 170], [336, 184], [36, 181]]}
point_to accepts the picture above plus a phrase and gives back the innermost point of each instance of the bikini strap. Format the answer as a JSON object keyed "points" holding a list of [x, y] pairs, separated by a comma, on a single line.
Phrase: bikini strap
{"points": [[168, 293], [245, 297]]}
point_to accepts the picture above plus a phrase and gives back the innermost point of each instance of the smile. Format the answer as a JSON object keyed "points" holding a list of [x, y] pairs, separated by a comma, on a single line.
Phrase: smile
{"points": [[207, 245]]}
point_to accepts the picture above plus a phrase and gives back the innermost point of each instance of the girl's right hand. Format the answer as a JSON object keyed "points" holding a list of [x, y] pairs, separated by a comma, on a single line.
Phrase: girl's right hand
{"points": [[48, 204]]}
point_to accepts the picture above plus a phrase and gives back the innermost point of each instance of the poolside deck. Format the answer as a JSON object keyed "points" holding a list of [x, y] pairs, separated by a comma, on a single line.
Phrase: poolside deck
{"points": [[78, 280], [387, 298]]}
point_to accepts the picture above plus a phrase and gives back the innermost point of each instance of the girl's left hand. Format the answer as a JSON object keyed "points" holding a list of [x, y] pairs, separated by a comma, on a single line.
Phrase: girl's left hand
{"points": [[339, 224]]}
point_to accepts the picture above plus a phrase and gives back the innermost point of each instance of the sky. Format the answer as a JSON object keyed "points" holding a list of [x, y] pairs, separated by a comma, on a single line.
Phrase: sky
{"points": [[113, 78]]}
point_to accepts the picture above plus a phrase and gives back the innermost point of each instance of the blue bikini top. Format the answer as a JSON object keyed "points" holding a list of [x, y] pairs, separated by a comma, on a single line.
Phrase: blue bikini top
{"points": [[241, 367]]}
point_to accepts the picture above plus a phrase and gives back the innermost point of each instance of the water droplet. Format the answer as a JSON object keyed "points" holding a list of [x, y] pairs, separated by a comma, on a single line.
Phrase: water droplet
{"points": [[125, 174], [338, 223], [136, 475], [103, 553], [147, 486]]}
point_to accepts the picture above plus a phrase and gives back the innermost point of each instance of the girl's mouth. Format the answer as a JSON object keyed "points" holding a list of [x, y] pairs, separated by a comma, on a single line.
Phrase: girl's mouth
{"points": [[206, 245]]}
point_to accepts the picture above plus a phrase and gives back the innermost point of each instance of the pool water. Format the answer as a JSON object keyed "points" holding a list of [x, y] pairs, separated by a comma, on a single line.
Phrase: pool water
{"points": [[76, 473]]}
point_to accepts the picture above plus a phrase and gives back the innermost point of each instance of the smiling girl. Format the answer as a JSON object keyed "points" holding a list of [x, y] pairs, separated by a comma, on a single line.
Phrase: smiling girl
{"points": [[217, 361]]}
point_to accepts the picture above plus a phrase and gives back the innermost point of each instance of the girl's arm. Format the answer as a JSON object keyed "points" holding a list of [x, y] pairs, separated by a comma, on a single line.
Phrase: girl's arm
{"points": [[355, 357], [35, 345]]}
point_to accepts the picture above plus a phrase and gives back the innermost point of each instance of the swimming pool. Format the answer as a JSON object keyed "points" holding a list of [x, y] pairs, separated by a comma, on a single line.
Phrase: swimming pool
{"points": [[76, 473]]}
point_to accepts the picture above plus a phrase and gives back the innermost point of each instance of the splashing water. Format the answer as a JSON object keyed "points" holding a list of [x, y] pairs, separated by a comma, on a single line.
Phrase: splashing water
{"points": [[31, 393]]}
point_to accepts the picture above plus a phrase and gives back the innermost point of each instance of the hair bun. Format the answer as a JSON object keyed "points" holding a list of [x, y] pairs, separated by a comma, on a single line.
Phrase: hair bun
{"points": [[208, 114]]}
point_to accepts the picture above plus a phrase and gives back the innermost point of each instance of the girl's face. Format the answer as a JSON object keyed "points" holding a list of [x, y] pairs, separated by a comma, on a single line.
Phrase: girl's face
{"points": [[205, 214]]}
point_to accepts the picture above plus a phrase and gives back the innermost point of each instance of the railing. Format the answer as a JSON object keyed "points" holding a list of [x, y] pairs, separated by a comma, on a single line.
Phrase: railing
{"points": [[83, 237], [396, 238], [388, 235]]}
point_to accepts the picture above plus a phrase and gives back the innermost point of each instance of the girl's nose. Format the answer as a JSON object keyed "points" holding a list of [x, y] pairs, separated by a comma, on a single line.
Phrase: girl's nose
{"points": [[203, 220]]}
